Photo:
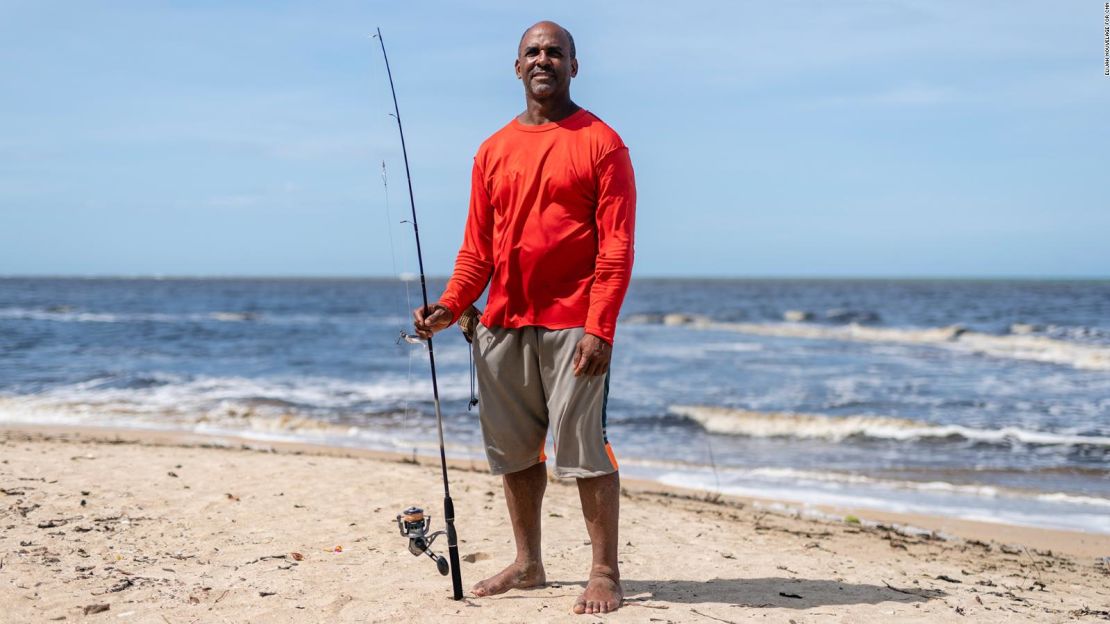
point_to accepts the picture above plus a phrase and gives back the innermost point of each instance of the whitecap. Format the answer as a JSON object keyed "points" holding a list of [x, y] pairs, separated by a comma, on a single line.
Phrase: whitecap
{"points": [[1026, 347], [730, 421]]}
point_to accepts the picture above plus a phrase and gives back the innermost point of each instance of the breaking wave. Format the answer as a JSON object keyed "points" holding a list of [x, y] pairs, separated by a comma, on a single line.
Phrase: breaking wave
{"points": [[795, 476], [842, 491], [1017, 346], [274, 403], [69, 314], [728, 421]]}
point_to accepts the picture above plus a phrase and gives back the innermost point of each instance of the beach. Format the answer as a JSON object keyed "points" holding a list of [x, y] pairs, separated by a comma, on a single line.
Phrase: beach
{"points": [[116, 524], [844, 326], [973, 400]]}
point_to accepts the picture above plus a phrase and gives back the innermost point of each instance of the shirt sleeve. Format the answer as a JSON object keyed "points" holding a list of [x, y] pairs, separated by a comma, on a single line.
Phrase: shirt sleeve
{"points": [[616, 224], [474, 264]]}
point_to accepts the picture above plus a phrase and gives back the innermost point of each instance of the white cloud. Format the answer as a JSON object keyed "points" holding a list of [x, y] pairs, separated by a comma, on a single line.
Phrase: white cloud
{"points": [[903, 95], [233, 201]]}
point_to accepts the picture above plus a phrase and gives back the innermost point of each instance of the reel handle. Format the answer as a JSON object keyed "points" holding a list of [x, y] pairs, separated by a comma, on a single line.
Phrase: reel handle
{"points": [[441, 563]]}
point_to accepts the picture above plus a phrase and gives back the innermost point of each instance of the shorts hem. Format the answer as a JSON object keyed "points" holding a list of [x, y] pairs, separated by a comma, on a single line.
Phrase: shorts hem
{"points": [[580, 473], [502, 470]]}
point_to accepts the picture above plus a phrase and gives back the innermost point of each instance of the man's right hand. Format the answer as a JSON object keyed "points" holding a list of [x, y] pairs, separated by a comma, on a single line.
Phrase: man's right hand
{"points": [[428, 321]]}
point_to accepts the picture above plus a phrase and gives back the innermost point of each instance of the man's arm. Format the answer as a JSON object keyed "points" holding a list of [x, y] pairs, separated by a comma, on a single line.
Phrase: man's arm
{"points": [[616, 224], [473, 265]]}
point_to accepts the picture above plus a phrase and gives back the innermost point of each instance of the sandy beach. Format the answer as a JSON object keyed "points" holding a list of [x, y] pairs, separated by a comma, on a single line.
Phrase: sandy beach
{"points": [[123, 525]]}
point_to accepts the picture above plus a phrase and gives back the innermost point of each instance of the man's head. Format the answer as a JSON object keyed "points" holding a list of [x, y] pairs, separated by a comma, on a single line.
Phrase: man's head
{"points": [[545, 61]]}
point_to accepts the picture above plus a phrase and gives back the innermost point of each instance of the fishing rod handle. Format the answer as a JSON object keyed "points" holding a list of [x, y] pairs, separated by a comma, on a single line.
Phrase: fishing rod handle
{"points": [[453, 546]]}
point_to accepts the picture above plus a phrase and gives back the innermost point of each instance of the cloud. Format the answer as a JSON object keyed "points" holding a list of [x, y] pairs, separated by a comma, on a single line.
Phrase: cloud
{"points": [[903, 95], [317, 148], [233, 201], [275, 193]]}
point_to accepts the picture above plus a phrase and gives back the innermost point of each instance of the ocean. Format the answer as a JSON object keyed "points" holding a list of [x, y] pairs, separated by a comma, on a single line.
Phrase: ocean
{"points": [[977, 399]]}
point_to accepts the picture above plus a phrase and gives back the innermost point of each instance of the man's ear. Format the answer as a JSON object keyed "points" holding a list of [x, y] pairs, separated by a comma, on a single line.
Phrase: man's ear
{"points": [[516, 67], [573, 67]]}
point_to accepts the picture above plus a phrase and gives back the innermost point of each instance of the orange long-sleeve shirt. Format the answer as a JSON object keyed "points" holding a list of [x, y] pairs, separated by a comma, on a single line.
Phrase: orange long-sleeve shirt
{"points": [[550, 228]]}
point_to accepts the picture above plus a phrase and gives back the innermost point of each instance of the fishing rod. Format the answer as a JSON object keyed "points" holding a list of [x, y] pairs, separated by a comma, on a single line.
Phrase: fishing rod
{"points": [[412, 522]]}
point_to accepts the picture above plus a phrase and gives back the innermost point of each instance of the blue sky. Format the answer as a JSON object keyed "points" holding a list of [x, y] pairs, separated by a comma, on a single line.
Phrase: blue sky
{"points": [[867, 138]]}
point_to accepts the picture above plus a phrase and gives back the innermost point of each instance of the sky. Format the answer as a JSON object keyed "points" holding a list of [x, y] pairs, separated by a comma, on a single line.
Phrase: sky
{"points": [[770, 139]]}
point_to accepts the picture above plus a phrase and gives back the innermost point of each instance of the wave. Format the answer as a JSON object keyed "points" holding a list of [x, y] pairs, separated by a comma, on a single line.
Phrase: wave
{"points": [[62, 314], [285, 403], [1018, 346], [729, 421], [796, 476], [848, 492], [68, 314], [407, 434]]}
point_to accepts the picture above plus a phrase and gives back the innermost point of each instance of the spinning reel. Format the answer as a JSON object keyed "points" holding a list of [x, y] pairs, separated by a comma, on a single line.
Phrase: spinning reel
{"points": [[414, 525]]}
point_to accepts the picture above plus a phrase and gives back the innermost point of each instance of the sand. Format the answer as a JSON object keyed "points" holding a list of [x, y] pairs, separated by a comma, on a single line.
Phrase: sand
{"points": [[104, 525]]}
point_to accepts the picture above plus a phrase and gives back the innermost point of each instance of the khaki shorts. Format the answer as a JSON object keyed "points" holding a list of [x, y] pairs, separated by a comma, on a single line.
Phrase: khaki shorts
{"points": [[526, 383]]}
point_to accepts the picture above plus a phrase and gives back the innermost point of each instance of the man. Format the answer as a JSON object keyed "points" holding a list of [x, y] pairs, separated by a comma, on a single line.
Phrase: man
{"points": [[550, 228]]}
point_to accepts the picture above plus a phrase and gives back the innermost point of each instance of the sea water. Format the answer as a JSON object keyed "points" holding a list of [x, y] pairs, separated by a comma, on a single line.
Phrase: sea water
{"points": [[979, 399]]}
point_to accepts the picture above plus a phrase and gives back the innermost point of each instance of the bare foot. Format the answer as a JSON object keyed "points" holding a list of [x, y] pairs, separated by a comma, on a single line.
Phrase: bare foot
{"points": [[516, 576], [603, 595]]}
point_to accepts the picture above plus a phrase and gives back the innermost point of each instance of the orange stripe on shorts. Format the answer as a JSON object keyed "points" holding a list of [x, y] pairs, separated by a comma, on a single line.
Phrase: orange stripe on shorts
{"points": [[612, 458]]}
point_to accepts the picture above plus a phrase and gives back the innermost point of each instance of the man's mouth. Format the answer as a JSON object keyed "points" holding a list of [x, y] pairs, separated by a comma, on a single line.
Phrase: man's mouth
{"points": [[543, 74]]}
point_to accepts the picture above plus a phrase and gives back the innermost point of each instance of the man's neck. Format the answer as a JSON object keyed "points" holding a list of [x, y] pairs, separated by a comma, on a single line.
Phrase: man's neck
{"points": [[538, 113]]}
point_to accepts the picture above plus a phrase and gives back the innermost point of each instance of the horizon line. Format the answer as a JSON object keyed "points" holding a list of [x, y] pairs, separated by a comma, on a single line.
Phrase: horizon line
{"points": [[378, 277]]}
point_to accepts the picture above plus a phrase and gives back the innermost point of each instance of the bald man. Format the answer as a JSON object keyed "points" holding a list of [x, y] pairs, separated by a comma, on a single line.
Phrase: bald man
{"points": [[550, 230]]}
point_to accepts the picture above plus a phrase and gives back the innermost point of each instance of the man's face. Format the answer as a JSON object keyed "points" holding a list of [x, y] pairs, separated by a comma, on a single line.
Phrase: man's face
{"points": [[544, 62]]}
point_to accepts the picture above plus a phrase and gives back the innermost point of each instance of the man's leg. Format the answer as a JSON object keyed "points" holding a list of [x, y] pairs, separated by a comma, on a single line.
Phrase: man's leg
{"points": [[514, 423], [524, 494], [600, 498], [576, 409]]}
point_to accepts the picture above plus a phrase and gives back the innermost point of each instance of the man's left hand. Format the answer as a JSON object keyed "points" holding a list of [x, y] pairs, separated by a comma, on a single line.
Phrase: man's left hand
{"points": [[591, 356]]}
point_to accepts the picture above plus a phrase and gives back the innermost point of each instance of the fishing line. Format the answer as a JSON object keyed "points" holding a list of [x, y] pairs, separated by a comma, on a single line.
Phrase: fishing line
{"points": [[412, 524], [408, 296], [712, 460], [389, 228]]}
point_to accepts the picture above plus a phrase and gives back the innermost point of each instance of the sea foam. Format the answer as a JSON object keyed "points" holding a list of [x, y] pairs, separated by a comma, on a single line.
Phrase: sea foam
{"points": [[729, 421], [1016, 346]]}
